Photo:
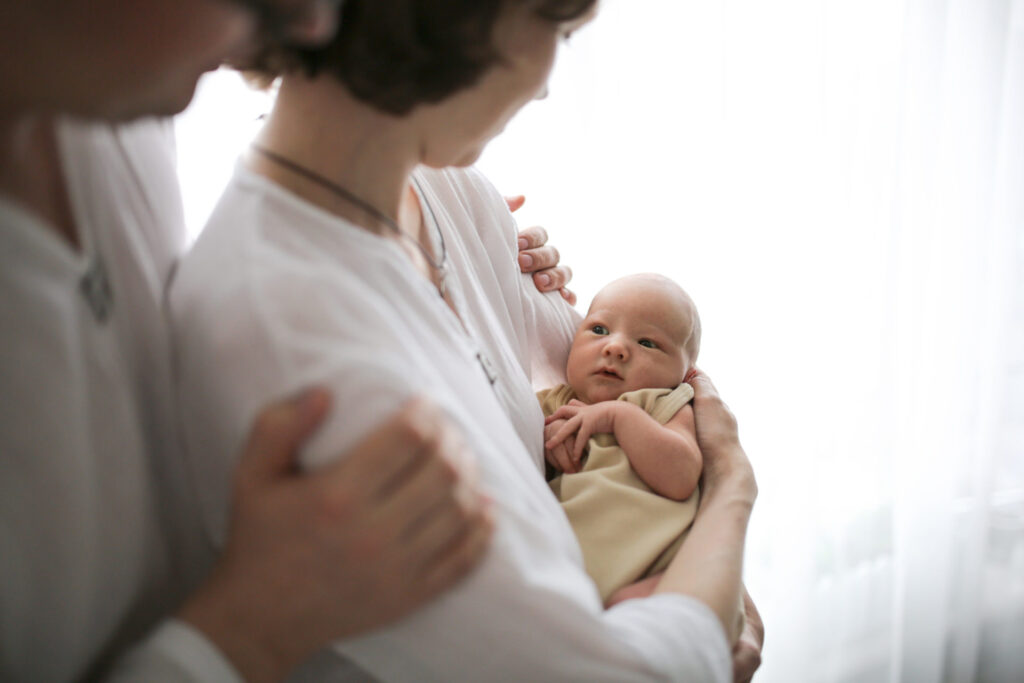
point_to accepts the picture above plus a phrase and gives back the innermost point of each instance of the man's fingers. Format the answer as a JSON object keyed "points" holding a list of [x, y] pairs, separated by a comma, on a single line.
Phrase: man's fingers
{"points": [[435, 487], [278, 432], [444, 524], [411, 434], [515, 202], [454, 561]]}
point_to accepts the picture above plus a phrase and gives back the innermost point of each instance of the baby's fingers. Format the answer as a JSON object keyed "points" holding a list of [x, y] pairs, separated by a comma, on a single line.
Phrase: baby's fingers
{"points": [[562, 434], [581, 439], [564, 413]]}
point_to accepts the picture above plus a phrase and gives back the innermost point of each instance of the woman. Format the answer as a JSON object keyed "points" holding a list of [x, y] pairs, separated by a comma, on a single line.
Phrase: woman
{"points": [[352, 245]]}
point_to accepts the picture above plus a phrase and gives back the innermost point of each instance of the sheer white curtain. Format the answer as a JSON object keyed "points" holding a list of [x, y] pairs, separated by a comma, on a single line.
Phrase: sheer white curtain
{"points": [[840, 186]]}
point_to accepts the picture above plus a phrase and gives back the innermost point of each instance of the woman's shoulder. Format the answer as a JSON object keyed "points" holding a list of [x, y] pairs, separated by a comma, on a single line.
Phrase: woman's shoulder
{"points": [[266, 257]]}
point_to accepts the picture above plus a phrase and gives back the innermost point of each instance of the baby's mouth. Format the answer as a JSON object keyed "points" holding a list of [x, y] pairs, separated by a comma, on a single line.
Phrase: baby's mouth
{"points": [[608, 372]]}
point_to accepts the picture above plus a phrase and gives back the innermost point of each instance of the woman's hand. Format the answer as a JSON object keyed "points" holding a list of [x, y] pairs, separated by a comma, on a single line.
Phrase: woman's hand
{"points": [[314, 557], [536, 257], [746, 655], [718, 439]]}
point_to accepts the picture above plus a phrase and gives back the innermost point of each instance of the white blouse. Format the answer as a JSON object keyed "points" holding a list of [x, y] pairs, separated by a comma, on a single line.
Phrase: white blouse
{"points": [[278, 294]]}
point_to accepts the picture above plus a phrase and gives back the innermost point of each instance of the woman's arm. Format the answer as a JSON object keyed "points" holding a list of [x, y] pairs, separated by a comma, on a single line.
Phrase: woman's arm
{"points": [[709, 565]]}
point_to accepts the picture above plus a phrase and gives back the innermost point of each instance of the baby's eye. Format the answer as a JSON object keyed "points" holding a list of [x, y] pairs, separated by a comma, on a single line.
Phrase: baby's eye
{"points": [[599, 329], [648, 343]]}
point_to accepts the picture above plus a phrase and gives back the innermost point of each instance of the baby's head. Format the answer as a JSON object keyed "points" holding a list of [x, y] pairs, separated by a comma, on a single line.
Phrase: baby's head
{"points": [[642, 331]]}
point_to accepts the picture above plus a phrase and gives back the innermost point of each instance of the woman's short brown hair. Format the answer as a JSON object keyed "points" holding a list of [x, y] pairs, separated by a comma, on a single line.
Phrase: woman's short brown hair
{"points": [[395, 54]]}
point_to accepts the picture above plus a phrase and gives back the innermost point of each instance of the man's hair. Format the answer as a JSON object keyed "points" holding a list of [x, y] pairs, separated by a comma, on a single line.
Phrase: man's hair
{"points": [[395, 54]]}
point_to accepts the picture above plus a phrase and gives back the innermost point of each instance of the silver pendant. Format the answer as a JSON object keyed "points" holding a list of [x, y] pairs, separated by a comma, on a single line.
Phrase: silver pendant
{"points": [[96, 290], [485, 363], [442, 279]]}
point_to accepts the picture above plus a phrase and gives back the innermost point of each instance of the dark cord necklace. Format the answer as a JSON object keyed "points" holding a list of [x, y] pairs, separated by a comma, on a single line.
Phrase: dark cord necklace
{"points": [[441, 267]]}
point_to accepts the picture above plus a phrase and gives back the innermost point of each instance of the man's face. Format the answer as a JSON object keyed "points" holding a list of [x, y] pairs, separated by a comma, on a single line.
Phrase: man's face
{"points": [[118, 60]]}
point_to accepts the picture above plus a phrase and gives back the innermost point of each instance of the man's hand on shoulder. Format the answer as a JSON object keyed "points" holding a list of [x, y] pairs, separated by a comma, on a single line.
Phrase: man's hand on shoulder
{"points": [[314, 557]]}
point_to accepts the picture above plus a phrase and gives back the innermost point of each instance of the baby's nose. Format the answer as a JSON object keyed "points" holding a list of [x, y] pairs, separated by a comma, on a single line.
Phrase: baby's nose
{"points": [[615, 349]]}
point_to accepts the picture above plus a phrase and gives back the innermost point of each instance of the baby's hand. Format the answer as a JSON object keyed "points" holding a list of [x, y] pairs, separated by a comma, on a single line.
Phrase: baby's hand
{"points": [[582, 421], [560, 457]]}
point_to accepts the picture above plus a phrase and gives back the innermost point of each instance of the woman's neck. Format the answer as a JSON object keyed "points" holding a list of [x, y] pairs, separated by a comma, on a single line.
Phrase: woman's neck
{"points": [[319, 126]]}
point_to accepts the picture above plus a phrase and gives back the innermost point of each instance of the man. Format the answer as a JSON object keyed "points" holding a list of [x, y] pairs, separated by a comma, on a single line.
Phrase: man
{"points": [[98, 540]]}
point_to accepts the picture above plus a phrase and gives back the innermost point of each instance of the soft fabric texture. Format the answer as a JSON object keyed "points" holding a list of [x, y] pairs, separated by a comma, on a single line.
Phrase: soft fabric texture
{"points": [[277, 294], [97, 531], [626, 530]]}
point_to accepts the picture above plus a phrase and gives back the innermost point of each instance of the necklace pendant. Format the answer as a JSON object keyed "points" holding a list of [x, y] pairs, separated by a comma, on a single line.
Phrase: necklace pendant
{"points": [[96, 290], [442, 279], [487, 366]]}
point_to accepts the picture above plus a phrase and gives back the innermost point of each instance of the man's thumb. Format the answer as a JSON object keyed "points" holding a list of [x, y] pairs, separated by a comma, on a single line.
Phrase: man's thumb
{"points": [[280, 430]]}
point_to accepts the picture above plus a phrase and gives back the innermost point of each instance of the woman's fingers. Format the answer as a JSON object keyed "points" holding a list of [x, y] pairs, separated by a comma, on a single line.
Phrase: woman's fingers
{"points": [[542, 260], [718, 439], [532, 237], [746, 656], [552, 279], [536, 259], [515, 202]]}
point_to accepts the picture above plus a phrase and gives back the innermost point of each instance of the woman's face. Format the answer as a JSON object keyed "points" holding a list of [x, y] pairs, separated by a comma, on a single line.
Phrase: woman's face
{"points": [[458, 128]]}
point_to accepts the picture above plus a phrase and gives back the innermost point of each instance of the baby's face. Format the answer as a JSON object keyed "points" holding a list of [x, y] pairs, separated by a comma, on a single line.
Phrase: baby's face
{"points": [[634, 337]]}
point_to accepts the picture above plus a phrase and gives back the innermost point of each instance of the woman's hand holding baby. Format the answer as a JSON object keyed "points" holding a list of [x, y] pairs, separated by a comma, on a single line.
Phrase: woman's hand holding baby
{"points": [[539, 259], [718, 438]]}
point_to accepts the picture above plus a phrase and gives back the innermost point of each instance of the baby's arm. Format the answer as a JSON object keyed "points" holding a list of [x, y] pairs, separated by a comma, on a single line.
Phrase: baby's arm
{"points": [[665, 457]]}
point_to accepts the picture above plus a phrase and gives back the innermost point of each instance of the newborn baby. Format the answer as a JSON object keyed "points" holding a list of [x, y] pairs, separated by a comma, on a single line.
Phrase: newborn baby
{"points": [[621, 433]]}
